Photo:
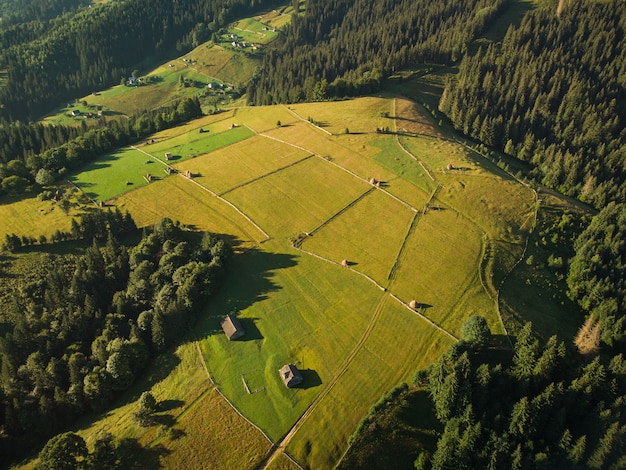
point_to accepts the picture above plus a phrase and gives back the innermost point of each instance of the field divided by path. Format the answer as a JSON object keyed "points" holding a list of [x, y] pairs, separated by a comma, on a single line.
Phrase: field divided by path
{"points": [[352, 340]]}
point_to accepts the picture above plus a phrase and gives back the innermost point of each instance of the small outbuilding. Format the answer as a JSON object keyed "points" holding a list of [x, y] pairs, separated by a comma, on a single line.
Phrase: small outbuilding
{"points": [[413, 304], [168, 156], [232, 327], [290, 375]]}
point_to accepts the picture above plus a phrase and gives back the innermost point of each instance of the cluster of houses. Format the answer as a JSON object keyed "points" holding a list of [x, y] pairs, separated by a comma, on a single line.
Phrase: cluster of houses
{"points": [[289, 373], [88, 115], [243, 44]]}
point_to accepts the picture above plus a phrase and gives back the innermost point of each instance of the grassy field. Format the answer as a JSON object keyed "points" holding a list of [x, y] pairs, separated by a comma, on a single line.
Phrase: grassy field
{"points": [[31, 217], [253, 158], [367, 234], [428, 234]]}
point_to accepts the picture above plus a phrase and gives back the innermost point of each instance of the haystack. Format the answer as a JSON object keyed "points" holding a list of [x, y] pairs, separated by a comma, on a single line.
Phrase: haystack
{"points": [[450, 166], [344, 263], [413, 304]]}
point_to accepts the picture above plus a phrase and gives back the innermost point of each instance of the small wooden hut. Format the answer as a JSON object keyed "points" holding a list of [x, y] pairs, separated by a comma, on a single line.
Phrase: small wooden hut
{"points": [[232, 327], [168, 156], [290, 375]]}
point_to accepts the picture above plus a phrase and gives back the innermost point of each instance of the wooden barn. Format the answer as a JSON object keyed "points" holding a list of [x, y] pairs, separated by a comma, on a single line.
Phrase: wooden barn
{"points": [[232, 327], [290, 375]]}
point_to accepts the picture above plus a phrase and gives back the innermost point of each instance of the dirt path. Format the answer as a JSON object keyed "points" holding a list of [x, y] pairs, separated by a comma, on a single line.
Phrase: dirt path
{"points": [[281, 445]]}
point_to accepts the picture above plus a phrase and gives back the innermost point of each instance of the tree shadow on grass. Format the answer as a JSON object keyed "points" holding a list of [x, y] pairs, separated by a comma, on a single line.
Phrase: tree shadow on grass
{"points": [[133, 456], [168, 405], [248, 280]]}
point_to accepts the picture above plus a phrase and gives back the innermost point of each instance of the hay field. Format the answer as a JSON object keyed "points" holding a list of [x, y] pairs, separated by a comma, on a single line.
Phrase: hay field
{"points": [[322, 439], [358, 115], [340, 328], [292, 307], [369, 235], [177, 198], [196, 143], [439, 268], [298, 198], [252, 158]]}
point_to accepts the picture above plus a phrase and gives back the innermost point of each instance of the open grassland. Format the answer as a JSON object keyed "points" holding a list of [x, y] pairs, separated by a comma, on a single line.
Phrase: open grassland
{"points": [[439, 268], [358, 115], [241, 163], [292, 306], [116, 173], [298, 198], [322, 439], [429, 234], [412, 118], [368, 234], [177, 198], [31, 217]]}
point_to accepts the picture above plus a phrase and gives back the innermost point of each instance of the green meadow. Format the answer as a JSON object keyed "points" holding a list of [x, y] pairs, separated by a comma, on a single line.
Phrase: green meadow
{"points": [[442, 237]]}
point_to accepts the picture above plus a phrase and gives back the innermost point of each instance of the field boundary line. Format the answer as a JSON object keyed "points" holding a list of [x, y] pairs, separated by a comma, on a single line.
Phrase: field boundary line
{"points": [[306, 120], [239, 211], [343, 267], [416, 218], [245, 183], [393, 196], [338, 213], [284, 442], [423, 317], [82, 192], [396, 264], [401, 145], [217, 389]]}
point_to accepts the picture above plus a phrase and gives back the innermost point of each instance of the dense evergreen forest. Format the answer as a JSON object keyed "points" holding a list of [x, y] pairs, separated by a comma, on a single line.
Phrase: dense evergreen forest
{"points": [[95, 47], [81, 328], [529, 410], [339, 48], [552, 94], [15, 12]]}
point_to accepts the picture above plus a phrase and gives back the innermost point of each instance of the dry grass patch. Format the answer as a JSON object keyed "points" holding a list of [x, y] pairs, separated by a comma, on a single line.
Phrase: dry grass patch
{"points": [[297, 198], [381, 362], [358, 115], [180, 199], [368, 234], [237, 164], [265, 118], [412, 118]]}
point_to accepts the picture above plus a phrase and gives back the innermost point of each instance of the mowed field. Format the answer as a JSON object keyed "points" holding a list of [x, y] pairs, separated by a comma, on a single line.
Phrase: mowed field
{"points": [[426, 234]]}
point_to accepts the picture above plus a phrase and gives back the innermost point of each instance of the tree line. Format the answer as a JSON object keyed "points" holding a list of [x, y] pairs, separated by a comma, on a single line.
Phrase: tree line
{"points": [[532, 408], [72, 55], [86, 326], [340, 48], [551, 95], [63, 148]]}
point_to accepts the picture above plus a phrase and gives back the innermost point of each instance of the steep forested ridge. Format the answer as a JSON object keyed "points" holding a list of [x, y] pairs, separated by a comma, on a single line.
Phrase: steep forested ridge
{"points": [[343, 48], [552, 94], [94, 48]]}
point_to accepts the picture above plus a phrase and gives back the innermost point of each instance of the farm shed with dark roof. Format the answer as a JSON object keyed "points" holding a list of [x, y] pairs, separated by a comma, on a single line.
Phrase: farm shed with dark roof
{"points": [[290, 375], [232, 327]]}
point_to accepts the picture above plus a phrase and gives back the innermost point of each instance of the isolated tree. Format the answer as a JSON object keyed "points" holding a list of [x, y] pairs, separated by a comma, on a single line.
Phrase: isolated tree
{"points": [[476, 331], [63, 452], [587, 339], [44, 177]]}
